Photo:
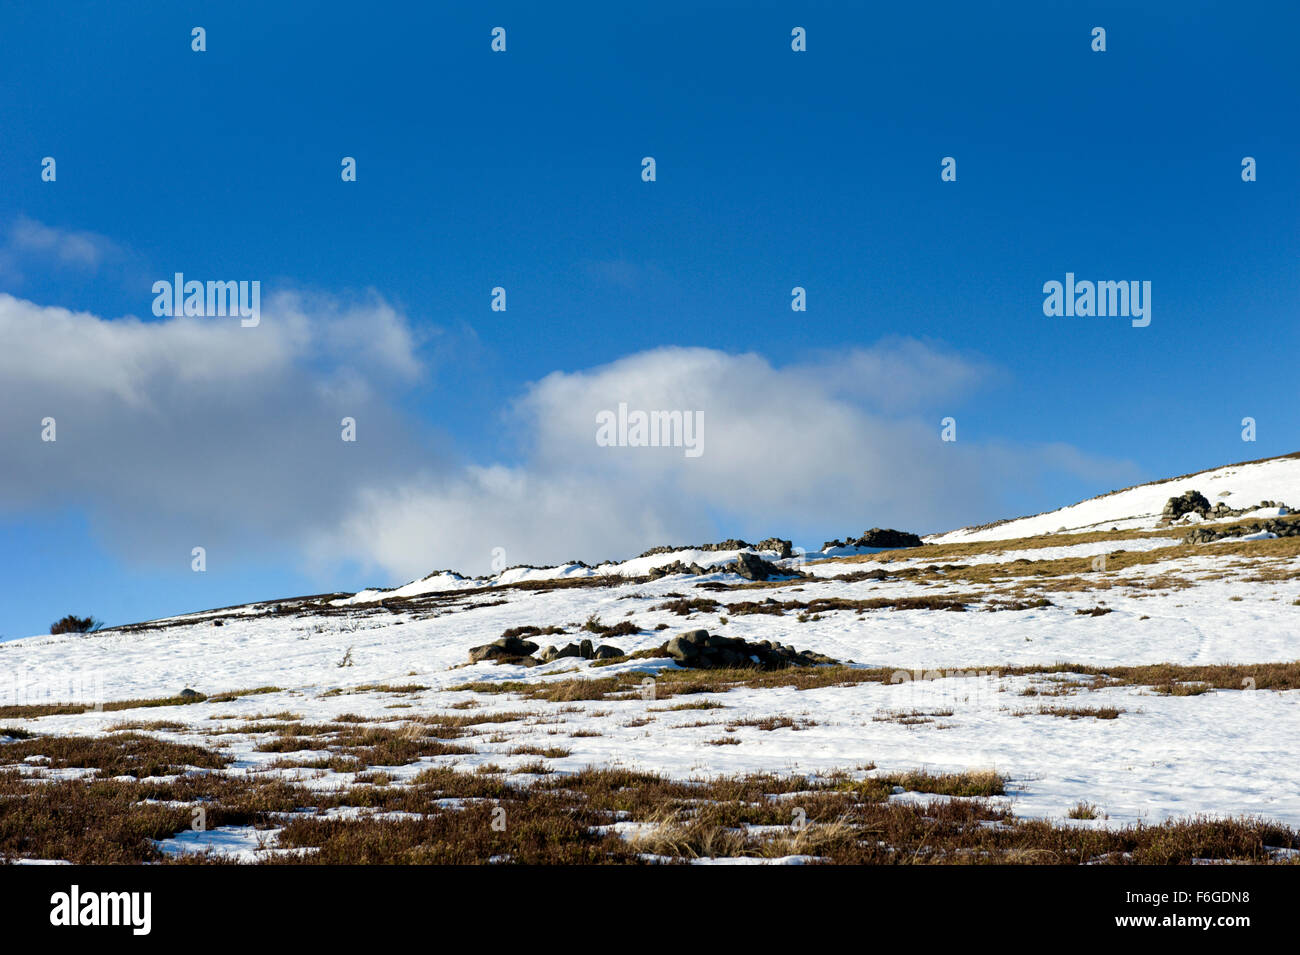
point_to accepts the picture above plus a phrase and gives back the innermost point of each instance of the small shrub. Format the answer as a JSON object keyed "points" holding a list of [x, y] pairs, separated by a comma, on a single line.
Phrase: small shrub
{"points": [[74, 624]]}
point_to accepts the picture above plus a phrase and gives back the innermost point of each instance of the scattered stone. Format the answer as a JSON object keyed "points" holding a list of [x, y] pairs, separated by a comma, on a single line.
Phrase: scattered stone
{"points": [[780, 545], [188, 694], [700, 650], [676, 567], [1205, 535]]}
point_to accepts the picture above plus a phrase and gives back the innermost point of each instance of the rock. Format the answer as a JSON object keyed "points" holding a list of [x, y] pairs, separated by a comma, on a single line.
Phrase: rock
{"points": [[687, 646], [585, 649], [884, 537], [505, 647], [188, 694], [784, 549], [777, 544], [1189, 502], [887, 537], [676, 567], [752, 567], [607, 652], [698, 649], [1205, 535]]}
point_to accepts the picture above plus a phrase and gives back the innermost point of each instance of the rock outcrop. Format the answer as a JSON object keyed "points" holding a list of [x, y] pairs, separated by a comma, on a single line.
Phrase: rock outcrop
{"points": [[676, 567], [885, 537], [783, 548], [752, 567], [514, 650], [747, 564], [1194, 502], [700, 650], [1204, 535], [1189, 502]]}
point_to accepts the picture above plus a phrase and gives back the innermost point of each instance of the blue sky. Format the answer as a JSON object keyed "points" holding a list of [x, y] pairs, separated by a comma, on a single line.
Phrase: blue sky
{"points": [[522, 170]]}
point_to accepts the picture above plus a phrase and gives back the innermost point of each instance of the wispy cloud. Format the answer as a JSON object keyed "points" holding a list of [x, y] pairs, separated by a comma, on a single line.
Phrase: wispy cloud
{"points": [[29, 242]]}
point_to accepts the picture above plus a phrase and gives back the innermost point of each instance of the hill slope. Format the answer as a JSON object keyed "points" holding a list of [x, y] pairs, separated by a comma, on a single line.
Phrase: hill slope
{"points": [[1128, 670], [1238, 485]]}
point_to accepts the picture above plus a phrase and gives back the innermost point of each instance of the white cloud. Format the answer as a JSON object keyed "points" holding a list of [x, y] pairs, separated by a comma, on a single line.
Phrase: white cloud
{"points": [[197, 431], [786, 451]]}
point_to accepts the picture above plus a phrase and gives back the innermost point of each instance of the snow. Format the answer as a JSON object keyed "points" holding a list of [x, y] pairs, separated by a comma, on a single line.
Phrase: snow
{"points": [[1225, 752], [636, 567], [752, 860], [1140, 507], [235, 843]]}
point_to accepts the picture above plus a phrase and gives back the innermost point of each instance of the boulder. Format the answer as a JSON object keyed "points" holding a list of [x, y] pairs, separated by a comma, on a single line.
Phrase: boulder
{"points": [[701, 650], [685, 647], [752, 567], [607, 652], [551, 653], [883, 537], [503, 648], [188, 694], [887, 537]]}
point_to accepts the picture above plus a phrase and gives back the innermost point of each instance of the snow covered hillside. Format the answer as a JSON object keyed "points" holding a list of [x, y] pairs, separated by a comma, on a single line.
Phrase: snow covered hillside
{"points": [[1098, 680], [1238, 485]]}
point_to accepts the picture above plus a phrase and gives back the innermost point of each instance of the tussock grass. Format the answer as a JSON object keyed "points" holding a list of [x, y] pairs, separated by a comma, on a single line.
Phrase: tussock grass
{"points": [[820, 605], [165, 726], [769, 723], [1076, 713], [561, 818], [119, 754], [1261, 676], [37, 710], [686, 606], [549, 752], [673, 682], [910, 717], [375, 688]]}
